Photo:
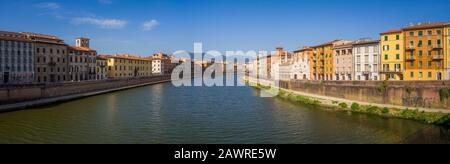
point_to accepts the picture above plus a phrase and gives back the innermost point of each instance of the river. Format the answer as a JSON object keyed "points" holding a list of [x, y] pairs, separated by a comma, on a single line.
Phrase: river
{"points": [[163, 113]]}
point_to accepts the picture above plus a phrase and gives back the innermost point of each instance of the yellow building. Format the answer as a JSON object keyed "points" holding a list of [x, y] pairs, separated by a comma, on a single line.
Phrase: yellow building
{"points": [[424, 52], [323, 60], [392, 55], [447, 51], [127, 66]]}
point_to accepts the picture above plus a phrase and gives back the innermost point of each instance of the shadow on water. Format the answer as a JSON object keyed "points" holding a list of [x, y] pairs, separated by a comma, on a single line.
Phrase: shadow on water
{"points": [[432, 135]]}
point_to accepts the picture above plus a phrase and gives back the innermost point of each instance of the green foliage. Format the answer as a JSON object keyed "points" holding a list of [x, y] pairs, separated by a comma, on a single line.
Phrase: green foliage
{"points": [[373, 109], [335, 102], [409, 89], [343, 105], [383, 87], [356, 106], [307, 84], [385, 111], [444, 94]]}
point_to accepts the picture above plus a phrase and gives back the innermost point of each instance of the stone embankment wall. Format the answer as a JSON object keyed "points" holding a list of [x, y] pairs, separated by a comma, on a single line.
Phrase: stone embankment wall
{"points": [[414, 94], [16, 94]]}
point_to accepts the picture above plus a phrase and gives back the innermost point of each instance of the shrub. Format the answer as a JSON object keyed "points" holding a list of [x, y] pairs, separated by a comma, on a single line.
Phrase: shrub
{"points": [[343, 105], [383, 87], [385, 111], [373, 109], [335, 102], [444, 94], [356, 106]]}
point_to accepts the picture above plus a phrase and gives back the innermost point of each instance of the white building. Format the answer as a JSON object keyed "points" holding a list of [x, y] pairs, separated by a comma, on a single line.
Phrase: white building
{"points": [[16, 58], [161, 64], [366, 59]]}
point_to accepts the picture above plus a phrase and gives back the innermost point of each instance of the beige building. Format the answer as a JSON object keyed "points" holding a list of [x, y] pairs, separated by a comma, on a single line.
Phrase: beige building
{"points": [[82, 61], [102, 68], [343, 61], [127, 66], [16, 58], [51, 58]]}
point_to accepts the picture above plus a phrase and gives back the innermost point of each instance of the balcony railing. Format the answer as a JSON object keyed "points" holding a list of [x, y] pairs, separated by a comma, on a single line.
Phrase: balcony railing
{"points": [[438, 46], [410, 58], [410, 48], [438, 57], [387, 70]]}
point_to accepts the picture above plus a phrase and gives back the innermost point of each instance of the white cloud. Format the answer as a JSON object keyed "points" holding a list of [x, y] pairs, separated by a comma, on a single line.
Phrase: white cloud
{"points": [[150, 25], [102, 23], [49, 5]]}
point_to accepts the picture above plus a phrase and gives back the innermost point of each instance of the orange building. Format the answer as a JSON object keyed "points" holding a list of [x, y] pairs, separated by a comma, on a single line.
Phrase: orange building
{"points": [[424, 52]]}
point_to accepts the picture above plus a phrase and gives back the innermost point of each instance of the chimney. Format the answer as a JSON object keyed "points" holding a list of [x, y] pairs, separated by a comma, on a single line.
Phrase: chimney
{"points": [[280, 51]]}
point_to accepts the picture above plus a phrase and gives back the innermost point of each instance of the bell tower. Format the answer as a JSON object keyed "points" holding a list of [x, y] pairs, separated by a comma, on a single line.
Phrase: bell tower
{"points": [[82, 42]]}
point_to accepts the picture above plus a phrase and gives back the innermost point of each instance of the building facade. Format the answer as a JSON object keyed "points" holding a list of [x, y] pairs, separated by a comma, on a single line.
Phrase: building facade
{"points": [[16, 58], [127, 66], [366, 59], [82, 61], [424, 51], [447, 50], [51, 58], [323, 60], [161, 64], [392, 55], [301, 69], [343, 61], [102, 68]]}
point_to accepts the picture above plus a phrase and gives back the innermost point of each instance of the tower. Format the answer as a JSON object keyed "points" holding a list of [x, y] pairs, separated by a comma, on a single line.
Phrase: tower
{"points": [[82, 42]]}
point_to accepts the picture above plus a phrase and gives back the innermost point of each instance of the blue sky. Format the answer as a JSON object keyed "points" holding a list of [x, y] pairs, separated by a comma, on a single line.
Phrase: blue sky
{"points": [[143, 27]]}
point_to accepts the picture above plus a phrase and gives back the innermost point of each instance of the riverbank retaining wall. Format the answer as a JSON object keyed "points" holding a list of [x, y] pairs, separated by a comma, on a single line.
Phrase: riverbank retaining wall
{"points": [[16, 94], [414, 94]]}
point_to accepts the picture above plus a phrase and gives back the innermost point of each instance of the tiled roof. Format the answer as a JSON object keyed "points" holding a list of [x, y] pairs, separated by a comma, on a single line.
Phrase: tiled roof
{"points": [[13, 36], [361, 42], [125, 56], [391, 31], [81, 49], [304, 49], [426, 26], [325, 44]]}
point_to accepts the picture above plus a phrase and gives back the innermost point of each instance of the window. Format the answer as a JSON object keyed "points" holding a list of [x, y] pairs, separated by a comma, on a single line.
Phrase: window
{"points": [[411, 74], [429, 64], [429, 32], [420, 33], [411, 33], [385, 48], [429, 53], [438, 32], [386, 38], [420, 75], [438, 42], [397, 37], [429, 43], [430, 74], [420, 53], [397, 56], [411, 64], [386, 57], [411, 43], [420, 43], [397, 47], [420, 64]]}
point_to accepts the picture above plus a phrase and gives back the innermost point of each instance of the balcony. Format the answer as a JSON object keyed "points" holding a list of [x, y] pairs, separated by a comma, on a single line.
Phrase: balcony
{"points": [[437, 47], [410, 48], [410, 58], [394, 71], [438, 57]]}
